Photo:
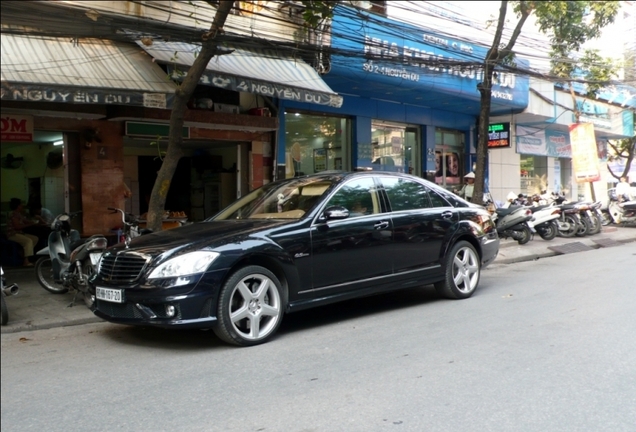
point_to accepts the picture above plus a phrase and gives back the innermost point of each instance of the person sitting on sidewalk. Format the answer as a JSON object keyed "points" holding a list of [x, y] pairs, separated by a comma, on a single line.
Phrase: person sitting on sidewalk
{"points": [[16, 223]]}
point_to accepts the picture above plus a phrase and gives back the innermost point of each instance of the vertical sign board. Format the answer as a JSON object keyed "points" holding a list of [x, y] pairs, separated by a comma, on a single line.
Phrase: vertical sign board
{"points": [[499, 135], [584, 152], [17, 128]]}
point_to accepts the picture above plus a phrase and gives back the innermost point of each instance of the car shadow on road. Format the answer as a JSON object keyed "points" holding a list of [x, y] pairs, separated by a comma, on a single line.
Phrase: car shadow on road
{"points": [[198, 340], [163, 339], [357, 308]]}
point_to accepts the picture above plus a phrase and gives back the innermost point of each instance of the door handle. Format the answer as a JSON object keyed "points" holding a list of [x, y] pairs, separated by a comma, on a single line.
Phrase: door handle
{"points": [[381, 225], [447, 214]]}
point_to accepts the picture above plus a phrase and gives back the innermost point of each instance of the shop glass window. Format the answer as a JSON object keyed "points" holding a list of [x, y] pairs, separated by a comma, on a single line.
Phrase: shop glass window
{"points": [[394, 147], [315, 143], [449, 158]]}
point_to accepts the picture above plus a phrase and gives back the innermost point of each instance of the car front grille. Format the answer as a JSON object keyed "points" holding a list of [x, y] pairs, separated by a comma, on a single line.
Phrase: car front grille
{"points": [[129, 310], [121, 268]]}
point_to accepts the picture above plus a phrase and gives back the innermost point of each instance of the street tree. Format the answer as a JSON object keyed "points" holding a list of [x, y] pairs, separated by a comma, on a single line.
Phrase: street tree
{"points": [[314, 13], [569, 24], [624, 150], [183, 94]]}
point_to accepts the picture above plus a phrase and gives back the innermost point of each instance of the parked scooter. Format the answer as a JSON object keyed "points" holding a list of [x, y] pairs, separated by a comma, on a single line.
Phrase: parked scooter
{"points": [[6, 292], [621, 212], [512, 222], [68, 261], [545, 221]]}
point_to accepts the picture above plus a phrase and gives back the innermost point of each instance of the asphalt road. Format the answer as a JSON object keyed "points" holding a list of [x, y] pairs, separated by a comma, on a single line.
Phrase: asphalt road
{"points": [[546, 345]]}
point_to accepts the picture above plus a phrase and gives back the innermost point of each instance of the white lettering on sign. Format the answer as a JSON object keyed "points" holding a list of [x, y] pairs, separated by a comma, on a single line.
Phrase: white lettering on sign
{"points": [[377, 48]]}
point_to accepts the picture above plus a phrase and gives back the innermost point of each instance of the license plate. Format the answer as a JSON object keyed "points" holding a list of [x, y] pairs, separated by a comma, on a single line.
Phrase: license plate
{"points": [[95, 258], [110, 295]]}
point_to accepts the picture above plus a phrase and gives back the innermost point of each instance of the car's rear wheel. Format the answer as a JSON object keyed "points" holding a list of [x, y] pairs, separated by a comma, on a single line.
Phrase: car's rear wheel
{"points": [[250, 307], [462, 271]]}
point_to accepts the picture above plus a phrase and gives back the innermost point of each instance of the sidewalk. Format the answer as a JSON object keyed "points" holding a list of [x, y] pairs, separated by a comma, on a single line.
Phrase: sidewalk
{"points": [[35, 308]]}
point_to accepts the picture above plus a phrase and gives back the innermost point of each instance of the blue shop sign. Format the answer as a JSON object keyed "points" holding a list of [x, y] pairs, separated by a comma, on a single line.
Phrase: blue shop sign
{"points": [[376, 57]]}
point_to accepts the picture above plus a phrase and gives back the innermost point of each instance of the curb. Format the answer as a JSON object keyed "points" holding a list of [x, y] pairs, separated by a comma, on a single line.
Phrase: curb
{"points": [[549, 253]]}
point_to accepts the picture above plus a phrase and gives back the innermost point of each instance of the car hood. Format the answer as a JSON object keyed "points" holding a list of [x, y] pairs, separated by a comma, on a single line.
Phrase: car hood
{"points": [[200, 235]]}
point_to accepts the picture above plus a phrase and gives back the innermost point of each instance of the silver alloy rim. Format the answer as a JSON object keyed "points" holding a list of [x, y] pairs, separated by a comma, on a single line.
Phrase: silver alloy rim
{"points": [[255, 307], [465, 270]]}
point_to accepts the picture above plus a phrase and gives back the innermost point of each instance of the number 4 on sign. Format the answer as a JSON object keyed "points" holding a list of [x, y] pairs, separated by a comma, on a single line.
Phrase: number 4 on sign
{"points": [[102, 152]]}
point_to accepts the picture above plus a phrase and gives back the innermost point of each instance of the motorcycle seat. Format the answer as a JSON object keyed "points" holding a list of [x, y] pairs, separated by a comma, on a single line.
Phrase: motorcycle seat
{"points": [[539, 207], [507, 211]]}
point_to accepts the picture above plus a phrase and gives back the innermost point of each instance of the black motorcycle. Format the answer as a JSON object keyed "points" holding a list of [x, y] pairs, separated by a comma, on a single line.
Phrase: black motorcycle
{"points": [[68, 261]]}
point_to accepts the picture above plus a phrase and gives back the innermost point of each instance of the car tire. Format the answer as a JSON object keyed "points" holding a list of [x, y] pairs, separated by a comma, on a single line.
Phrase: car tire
{"points": [[250, 307], [461, 273]]}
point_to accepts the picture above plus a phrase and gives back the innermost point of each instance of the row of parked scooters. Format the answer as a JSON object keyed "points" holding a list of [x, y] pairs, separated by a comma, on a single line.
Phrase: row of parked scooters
{"points": [[549, 215]]}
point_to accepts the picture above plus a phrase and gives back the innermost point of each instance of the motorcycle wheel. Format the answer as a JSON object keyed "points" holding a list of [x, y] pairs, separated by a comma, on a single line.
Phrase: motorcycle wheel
{"points": [[89, 297], [549, 231], [526, 235], [44, 275], [607, 218], [584, 227], [5, 312], [595, 224], [573, 226]]}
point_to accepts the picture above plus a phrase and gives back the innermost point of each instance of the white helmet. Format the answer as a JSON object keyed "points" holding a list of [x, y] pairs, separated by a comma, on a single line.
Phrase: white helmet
{"points": [[470, 175]]}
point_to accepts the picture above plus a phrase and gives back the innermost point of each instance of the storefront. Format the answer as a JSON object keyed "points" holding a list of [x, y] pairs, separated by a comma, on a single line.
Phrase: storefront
{"points": [[540, 157], [410, 104]]}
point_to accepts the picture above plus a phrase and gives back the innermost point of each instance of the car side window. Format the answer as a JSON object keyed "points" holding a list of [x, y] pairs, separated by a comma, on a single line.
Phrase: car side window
{"points": [[359, 196], [406, 194], [437, 199]]}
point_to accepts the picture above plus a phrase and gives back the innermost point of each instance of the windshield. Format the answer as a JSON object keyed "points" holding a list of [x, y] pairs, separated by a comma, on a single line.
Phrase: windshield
{"points": [[290, 199]]}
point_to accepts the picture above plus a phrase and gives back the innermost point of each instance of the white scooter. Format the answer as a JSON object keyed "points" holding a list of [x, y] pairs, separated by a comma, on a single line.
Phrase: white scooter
{"points": [[545, 221], [621, 212]]}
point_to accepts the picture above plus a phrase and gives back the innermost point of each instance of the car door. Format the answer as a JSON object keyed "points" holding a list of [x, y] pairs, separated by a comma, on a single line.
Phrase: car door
{"points": [[421, 219], [354, 252]]}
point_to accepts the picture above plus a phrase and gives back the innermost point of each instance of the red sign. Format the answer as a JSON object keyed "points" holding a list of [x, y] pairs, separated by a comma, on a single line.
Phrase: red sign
{"points": [[17, 128], [584, 152]]}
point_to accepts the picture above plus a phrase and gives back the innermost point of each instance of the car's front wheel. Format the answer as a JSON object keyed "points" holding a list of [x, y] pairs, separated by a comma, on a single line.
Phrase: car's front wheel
{"points": [[462, 272], [250, 307]]}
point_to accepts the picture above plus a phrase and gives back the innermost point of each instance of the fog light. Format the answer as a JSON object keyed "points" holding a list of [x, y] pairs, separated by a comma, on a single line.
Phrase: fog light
{"points": [[169, 311]]}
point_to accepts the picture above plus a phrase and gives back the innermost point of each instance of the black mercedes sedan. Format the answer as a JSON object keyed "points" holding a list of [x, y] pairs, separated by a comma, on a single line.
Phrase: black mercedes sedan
{"points": [[295, 244]]}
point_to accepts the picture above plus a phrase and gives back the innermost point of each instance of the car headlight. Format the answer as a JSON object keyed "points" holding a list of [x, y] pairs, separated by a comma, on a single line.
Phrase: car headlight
{"points": [[188, 264]]}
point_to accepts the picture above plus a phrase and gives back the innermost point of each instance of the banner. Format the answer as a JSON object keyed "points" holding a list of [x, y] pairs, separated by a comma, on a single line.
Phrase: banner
{"points": [[543, 142], [17, 128], [531, 141], [584, 153]]}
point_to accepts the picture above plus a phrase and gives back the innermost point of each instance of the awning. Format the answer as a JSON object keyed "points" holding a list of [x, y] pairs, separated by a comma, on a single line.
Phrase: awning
{"points": [[88, 71], [263, 72]]}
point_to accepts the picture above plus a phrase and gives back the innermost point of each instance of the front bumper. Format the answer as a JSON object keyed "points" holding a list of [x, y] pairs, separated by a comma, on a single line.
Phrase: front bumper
{"points": [[187, 306]]}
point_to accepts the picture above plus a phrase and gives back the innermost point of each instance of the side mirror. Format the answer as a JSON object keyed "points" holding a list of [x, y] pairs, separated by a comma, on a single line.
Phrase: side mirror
{"points": [[335, 213]]}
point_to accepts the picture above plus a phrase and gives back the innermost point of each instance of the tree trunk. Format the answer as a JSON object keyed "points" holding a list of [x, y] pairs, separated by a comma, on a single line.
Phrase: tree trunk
{"points": [[482, 134], [156, 206]]}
